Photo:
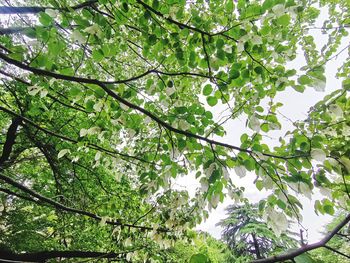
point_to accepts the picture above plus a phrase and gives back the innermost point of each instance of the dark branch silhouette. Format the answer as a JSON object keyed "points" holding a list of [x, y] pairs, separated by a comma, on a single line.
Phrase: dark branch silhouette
{"points": [[292, 254], [10, 140], [135, 107], [59, 206], [38, 9]]}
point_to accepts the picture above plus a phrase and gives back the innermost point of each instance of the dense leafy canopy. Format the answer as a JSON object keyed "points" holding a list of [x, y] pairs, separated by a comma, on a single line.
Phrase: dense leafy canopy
{"points": [[104, 104]]}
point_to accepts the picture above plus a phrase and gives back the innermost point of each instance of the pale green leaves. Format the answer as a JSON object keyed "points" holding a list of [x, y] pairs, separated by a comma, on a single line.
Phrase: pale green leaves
{"points": [[278, 10], [254, 123], [315, 79], [63, 153], [214, 201], [52, 12], [256, 40], [345, 161], [319, 85], [336, 110], [94, 30], [184, 125], [204, 184], [318, 155], [128, 242], [98, 156], [91, 131], [98, 106], [33, 90], [170, 91], [78, 37], [276, 220], [240, 171]]}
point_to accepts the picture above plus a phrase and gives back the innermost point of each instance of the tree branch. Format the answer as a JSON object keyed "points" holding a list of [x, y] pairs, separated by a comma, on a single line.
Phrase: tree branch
{"points": [[10, 140], [303, 249], [90, 145], [9, 192], [38, 9], [14, 30], [59, 206], [336, 251], [135, 107]]}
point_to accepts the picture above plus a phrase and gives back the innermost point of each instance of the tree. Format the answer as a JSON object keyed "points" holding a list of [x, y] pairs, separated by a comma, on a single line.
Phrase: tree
{"points": [[200, 244], [247, 234], [104, 104]]}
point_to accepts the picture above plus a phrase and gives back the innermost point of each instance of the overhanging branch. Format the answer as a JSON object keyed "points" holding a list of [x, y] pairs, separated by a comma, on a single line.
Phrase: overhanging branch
{"points": [[37, 9], [68, 139], [292, 254], [135, 107], [64, 208]]}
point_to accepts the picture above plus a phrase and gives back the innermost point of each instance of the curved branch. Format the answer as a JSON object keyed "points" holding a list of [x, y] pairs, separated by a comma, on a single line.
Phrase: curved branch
{"points": [[336, 251], [179, 24], [59, 206], [135, 107], [9, 192], [91, 145], [14, 30], [303, 249], [37, 9]]}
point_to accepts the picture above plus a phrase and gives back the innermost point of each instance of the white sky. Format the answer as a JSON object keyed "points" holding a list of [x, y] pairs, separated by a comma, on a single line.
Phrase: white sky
{"points": [[296, 106]]}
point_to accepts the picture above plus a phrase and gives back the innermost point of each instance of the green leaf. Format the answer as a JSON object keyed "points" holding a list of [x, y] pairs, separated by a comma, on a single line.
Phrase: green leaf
{"points": [[207, 90], [152, 39], [304, 258], [264, 127], [258, 70], [304, 80], [97, 55], [212, 101], [234, 74], [259, 185], [198, 258], [283, 20], [45, 19]]}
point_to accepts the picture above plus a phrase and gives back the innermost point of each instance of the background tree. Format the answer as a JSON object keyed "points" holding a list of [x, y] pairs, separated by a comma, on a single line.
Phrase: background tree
{"points": [[199, 244], [247, 234], [104, 104]]}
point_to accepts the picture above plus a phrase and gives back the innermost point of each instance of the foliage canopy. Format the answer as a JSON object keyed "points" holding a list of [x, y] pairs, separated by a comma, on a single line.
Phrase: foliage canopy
{"points": [[104, 104]]}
